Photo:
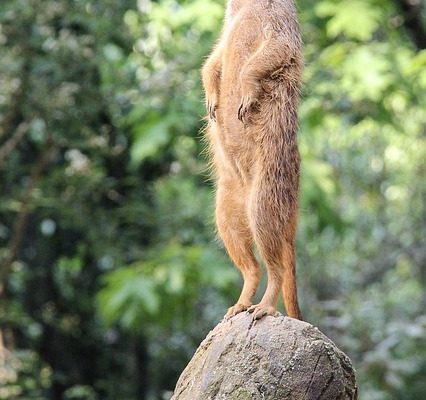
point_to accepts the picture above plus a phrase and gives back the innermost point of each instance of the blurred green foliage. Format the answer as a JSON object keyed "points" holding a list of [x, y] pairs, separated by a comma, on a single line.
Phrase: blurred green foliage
{"points": [[111, 273]]}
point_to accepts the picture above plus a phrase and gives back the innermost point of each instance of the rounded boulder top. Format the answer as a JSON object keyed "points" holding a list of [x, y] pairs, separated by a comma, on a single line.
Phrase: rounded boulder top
{"points": [[275, 358]]}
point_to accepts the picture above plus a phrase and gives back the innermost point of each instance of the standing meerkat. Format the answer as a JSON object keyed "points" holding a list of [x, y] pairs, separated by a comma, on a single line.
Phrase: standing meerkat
{"points": [[252, 80]]}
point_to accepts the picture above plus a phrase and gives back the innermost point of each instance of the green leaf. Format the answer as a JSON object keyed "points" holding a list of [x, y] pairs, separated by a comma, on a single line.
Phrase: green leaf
{"points": [[128, 295], [357, 19], [149, 140], [366, 73]]}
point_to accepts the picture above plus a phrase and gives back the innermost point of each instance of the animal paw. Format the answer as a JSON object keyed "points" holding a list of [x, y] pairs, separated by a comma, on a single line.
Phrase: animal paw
{"points": [[248, 100], [260, 310], [235, 309], [211, 105]]}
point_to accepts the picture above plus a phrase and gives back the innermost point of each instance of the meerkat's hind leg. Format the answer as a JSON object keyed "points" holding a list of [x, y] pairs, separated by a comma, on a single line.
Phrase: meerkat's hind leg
{"points": [[233, 228], [247, 264], [268, 229], [268, 304], [241, 253], [284, 274]]}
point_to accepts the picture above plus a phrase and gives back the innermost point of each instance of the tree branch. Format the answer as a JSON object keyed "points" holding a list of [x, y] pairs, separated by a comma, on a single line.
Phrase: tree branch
{"points": [[11, 144], [22, 218]]}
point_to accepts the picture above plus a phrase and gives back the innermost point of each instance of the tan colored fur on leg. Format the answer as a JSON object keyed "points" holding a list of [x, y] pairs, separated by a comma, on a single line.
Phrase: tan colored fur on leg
{"points": [[252, 80]]}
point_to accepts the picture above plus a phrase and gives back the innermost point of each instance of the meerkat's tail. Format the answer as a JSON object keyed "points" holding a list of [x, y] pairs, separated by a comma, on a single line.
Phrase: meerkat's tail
{"points": [[289, 287]]}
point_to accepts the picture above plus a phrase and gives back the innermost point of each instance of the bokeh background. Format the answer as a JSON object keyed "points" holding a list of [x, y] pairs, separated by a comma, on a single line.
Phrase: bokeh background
{"points": [[111, 274]]}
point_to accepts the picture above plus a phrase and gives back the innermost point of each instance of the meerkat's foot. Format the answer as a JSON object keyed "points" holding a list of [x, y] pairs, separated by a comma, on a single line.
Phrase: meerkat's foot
{"points": [[260, 310], [236, 309]]}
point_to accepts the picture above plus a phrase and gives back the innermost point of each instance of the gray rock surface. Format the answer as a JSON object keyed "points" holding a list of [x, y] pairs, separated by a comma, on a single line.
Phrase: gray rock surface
{"points": [[276, 358]]}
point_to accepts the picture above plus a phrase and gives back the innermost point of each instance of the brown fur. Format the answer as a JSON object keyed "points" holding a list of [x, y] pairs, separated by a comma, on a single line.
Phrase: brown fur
{"points": [[252, 80]]}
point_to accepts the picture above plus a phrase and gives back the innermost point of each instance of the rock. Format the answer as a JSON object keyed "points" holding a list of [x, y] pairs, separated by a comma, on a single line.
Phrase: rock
{"points": [[275, 358]]}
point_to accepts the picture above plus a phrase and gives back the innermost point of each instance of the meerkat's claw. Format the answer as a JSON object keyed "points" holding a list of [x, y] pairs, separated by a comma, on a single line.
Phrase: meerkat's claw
{"points": [[261, 310], [236, 309], [212, 112], [211, 105], [244, 109], [241, 113]]}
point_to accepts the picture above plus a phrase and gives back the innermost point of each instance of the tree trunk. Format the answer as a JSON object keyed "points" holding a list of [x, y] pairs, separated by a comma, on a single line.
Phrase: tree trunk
{"points": [[276, 358]]}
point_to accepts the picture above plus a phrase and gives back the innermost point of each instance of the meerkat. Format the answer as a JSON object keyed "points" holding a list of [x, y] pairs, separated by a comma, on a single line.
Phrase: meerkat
{"points": [[252, 81]]}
